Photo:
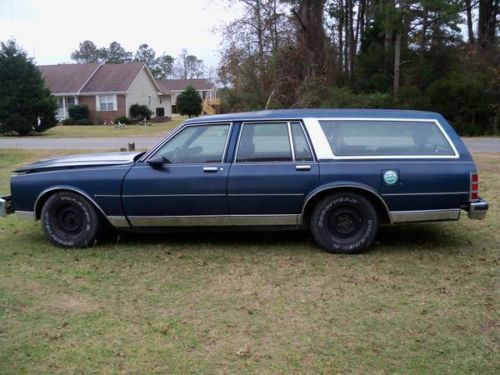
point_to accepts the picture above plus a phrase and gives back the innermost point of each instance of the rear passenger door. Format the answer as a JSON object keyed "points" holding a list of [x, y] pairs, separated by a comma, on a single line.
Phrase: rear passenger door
{"points": [[274, 167]]}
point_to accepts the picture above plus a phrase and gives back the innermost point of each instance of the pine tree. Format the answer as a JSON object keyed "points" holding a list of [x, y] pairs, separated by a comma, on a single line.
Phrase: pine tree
{"points": [[26, 105], [189, 102]]}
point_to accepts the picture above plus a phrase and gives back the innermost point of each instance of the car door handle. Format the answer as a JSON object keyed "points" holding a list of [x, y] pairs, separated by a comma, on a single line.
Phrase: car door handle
{"points": [[303, 167], [210, 169]]}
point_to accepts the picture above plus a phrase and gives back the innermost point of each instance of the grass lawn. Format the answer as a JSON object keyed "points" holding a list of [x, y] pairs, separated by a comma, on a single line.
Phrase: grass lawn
{"points": [[424, 299], [108, 131]]}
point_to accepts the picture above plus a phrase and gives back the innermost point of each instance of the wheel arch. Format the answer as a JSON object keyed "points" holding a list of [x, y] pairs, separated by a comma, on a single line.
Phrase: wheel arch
{"points": [[366, 191], [44, 195]]}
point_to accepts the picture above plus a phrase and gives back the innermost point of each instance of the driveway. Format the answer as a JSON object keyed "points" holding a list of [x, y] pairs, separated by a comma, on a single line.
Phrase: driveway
{"points": [[474, 144]]}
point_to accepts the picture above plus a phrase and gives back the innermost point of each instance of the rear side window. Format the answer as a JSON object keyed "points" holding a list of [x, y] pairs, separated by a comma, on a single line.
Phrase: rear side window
{"points": [[264, 142], [385, 138]]}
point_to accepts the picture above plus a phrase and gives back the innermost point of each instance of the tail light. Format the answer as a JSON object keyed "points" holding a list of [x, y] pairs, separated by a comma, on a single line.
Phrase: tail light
{"points": [[474, 187]]}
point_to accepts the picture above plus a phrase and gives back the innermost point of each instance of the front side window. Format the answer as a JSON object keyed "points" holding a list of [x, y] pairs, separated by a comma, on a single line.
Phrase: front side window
{"points": [[264, 143], [196, 144], [107, 103], [385, 138]]}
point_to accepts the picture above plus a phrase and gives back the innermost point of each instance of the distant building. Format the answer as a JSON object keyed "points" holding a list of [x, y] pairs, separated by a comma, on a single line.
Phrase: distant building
{"points": [[205, 87], [107, 89]]}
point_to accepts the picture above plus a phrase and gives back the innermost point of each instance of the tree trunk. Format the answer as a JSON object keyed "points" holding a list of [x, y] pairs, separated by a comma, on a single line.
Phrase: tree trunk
{"points": [[388, 26], [347, 39], [340, 28], [486, 28], [352, 45], [470, 28], [397, 62], [423, 32]]}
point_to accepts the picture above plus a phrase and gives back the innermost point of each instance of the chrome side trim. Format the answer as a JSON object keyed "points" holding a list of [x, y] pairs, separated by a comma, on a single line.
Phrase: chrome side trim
{"points": [[171, 195], [260, 220], [343, 186], [26, 215], [425, 215], [118, 221], [214, 220], [436, 193], [69, 188], [267, 195]]}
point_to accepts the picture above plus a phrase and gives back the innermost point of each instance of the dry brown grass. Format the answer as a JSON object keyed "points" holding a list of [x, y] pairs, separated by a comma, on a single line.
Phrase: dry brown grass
{"points": [[424, 299]]}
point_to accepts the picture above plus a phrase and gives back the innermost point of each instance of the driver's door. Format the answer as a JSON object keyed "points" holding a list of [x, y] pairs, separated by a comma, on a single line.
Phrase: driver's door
{"points": [[189, 189]]}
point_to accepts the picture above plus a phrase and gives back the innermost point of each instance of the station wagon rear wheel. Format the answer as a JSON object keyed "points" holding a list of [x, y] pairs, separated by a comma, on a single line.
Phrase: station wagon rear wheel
{"points": [[69, 220], [344, 223]]}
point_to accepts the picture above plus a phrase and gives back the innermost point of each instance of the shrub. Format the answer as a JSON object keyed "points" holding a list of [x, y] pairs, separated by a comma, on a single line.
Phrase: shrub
{"points": [[123, 120], [26, 105], [346, 98], [79, 112], [467, 100], [189, 102], [140, 112], [70, 121]]}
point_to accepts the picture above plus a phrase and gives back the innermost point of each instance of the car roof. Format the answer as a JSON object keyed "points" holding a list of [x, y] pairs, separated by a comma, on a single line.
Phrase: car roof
{"points": [[290, 114]]}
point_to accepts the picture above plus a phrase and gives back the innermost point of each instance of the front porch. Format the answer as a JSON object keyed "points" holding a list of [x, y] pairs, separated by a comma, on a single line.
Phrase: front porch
{"points": [[64, 102]]}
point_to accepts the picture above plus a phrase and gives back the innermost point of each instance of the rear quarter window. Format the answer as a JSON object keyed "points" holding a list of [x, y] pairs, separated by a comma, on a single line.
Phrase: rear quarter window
{"points": [[385, 138]]}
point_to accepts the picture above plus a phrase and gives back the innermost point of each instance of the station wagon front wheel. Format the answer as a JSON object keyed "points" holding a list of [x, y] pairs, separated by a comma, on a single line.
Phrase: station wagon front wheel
{"points": [[69, 220], [344, 223]]}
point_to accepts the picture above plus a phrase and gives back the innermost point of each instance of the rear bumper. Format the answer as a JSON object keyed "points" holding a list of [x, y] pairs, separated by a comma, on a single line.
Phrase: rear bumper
{"points": [[6, 206], [477, 209]]}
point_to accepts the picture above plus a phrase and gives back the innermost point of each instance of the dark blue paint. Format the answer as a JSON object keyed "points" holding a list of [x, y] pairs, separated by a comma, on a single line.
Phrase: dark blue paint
{"points": [[118, 174]]}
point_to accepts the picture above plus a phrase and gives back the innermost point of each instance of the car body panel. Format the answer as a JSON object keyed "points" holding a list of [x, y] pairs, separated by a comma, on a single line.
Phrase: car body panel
{"points": [[131, 193]]}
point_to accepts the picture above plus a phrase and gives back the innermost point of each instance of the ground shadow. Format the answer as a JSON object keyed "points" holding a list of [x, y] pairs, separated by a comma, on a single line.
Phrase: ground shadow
{"points": [[390, 238]]}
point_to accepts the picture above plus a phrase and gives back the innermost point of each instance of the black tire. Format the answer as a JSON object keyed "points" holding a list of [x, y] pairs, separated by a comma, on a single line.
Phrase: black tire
{"points": [[344, 222], [69, 220]]}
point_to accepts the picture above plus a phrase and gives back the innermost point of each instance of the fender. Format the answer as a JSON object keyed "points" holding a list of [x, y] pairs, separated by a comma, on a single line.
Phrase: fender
{"points": [[344, 185], [39, 199]]}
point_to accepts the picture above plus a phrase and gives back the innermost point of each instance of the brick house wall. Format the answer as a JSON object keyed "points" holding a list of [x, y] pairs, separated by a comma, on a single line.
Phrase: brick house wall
{"points": [[99, 117]]}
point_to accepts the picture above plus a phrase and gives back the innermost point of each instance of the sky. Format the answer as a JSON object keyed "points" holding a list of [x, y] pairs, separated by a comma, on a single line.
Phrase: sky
{"points": [[49, 30]]}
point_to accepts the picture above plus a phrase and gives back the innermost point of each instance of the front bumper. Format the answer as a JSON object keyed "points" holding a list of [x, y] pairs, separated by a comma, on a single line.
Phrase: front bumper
{"points": [[6, 206], [477, 209]]}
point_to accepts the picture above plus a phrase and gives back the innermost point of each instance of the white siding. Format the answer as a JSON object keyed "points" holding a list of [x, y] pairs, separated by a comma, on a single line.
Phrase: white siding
{"points": [[166, 103], [139, 92]]}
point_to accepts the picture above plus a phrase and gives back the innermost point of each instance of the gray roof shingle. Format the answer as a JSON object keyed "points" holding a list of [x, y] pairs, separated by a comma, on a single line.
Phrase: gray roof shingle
{"points": [[113, 77], [89, 78], [66, 78]]}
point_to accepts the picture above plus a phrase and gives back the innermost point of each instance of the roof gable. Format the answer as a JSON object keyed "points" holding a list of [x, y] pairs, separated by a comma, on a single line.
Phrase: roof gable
{"points": [[113, 78]]}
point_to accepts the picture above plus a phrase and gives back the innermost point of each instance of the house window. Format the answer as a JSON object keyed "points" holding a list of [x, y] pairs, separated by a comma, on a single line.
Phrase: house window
{"points": [[70, 100], [150, 101], [107, 102]]}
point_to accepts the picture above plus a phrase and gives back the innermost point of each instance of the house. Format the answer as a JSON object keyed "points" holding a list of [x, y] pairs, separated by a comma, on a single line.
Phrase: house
{"points": [[109, 90], [205, 87]]}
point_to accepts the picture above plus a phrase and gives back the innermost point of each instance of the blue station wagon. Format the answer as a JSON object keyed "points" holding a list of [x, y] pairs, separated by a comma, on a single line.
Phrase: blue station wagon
{"points": [[338, 173]]}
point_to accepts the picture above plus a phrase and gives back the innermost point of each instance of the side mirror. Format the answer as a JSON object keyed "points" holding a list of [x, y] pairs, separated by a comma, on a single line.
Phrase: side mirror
{"points": [[157, 161]]}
